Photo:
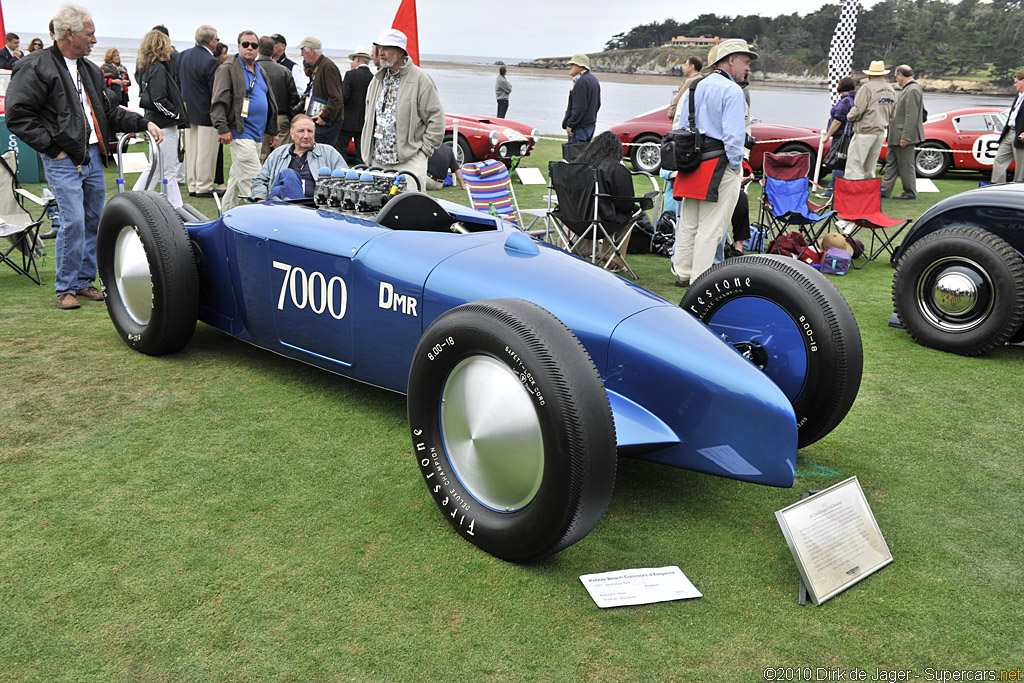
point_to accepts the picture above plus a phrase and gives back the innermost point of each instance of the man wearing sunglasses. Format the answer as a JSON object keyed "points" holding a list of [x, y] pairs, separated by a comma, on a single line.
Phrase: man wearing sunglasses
{"points": [[243, 109], [196, 67]]}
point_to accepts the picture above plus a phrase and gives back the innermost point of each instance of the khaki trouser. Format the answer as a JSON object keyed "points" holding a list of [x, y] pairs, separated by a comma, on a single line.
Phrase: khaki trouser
{"points": [[200, 157], [1004, 155], [245, 165], [863, 155], [901, 161], [701, 227]]}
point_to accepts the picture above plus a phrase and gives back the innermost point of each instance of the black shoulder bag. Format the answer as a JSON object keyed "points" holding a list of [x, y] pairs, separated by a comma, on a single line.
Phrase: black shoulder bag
{"points": [[681, 149]]}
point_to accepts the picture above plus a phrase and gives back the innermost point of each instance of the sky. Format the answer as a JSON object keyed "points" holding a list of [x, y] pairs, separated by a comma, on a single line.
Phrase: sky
{"points": [[523, 29]]}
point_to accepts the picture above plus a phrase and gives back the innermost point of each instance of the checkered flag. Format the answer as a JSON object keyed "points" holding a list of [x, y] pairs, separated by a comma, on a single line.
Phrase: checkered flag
{"points": [[840, 54]]}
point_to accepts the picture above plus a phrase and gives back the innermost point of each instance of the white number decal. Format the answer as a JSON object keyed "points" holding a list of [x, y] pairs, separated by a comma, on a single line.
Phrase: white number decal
{"points": [[306, 290]]}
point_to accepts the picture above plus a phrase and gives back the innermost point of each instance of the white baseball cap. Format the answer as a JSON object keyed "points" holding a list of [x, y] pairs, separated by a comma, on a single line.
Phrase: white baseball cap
{"points": [[392, 37]]}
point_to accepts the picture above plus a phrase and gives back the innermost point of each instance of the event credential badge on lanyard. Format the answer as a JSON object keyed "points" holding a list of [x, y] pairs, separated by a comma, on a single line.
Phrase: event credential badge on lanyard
{"points": [[249, 87]]}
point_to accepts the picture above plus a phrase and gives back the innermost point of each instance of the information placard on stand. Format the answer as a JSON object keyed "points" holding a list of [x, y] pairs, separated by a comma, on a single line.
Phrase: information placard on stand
{"points": [[834, 538]]}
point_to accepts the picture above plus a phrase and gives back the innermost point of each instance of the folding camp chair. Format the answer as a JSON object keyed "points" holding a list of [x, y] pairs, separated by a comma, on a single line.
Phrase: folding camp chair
{"points": [[489, 187], [860, 202], [16, 222], [785, 199], [576, 218]]}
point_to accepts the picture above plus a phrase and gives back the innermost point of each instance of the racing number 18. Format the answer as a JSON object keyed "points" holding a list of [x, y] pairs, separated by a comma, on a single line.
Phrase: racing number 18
{"points": [[314, 290]]}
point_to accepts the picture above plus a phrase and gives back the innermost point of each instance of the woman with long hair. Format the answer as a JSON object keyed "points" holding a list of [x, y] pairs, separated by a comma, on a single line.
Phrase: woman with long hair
{"points": [[161, 102], [604, 152], [35, 44], [116, 76]]}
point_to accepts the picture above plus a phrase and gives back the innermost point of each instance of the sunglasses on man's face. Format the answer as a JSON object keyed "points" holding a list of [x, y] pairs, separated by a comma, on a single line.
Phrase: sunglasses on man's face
{"points": [[246, 43]]}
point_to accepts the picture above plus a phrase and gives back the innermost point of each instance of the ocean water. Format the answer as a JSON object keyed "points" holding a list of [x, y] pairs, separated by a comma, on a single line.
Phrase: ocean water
{"points": [[539, 96]]}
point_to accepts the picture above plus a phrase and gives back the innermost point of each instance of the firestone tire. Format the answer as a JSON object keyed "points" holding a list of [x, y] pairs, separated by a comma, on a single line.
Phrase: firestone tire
{"points": [[960, 290], [810, 339], [512, 428], [148, 273]]}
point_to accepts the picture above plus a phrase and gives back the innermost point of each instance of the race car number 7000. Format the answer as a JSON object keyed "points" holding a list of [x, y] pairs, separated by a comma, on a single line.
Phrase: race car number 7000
{"points": [[313, 290]]}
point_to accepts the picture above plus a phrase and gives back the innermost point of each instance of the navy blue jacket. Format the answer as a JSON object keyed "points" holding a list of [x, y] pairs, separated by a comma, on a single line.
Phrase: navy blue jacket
{"points": [[196, 67], [584, 101]]}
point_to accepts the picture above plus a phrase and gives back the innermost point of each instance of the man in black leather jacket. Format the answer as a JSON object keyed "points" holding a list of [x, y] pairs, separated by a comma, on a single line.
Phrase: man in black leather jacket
{"points": [[56, 104]]}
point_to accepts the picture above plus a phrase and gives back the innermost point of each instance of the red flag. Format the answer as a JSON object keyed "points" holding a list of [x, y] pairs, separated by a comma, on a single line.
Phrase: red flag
{"points": [[405, 21], [3, 31]]}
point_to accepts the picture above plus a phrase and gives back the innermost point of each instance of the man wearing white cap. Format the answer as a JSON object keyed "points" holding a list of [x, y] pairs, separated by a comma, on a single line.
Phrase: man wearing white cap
{"points": [[404, 118], [324, 101], [709, 193], [357, 80], [580, 118], [872, 109]]}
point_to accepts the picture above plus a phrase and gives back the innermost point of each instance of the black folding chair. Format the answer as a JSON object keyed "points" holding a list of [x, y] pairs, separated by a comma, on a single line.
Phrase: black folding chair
{"points": [[25, 247], [576, 217]]}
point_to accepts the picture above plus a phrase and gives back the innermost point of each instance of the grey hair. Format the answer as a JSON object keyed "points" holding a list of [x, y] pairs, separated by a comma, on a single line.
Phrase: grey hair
{"points": [[205, 34], [70, 16]]}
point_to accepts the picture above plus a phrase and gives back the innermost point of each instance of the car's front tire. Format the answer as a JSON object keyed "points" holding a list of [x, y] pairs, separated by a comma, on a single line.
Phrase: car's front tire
{"points": [[512, 428], [148, 273], [645, 154], [960, 290], [800, 327], [932, 160]]}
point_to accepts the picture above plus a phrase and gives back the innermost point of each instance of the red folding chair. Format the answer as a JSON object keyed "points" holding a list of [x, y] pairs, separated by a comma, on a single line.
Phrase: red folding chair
{"points": [[785, 198], [860, 202]]}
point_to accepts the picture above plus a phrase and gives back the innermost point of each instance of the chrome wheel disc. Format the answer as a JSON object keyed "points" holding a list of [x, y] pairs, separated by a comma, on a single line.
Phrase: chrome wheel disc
{"points": [[929, 161], [492, 433], [132, 277], [955, 294], [649, 156]]}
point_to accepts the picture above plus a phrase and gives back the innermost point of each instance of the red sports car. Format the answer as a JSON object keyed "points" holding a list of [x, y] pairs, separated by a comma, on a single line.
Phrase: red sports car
{"points": [[959, 139], [641, 139], [485, 137]]}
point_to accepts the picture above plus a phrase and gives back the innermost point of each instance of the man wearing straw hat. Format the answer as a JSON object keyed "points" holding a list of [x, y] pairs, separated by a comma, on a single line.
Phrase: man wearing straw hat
{"points": [[872, 110], [580, 118], [353, 88], [709, 193]]}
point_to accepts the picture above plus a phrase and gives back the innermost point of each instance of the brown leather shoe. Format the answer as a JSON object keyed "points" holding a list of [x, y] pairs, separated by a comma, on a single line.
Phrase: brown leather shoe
{"points": [[68, 301], [90, 293]]}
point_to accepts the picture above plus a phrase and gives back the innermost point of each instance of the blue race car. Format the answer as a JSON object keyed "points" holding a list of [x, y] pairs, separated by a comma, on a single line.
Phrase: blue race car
{"points": [[527, 370]]}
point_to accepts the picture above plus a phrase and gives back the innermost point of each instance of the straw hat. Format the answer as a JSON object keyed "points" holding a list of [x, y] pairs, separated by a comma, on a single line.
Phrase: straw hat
{"points": [[732, 46], [834, 239], [877, 68], [580, 60], [361, 51]]}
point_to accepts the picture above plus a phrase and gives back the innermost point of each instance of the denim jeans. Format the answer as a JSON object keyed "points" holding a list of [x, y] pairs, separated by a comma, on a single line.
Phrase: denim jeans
{"points": [[80, 194], [582, 134]]}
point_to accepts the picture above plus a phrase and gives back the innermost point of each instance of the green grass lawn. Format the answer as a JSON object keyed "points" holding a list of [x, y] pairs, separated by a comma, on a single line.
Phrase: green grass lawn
{"points": [[227, 514]]}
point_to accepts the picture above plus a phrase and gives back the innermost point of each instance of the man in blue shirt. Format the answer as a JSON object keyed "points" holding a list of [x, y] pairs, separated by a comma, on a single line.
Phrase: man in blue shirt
{"points": [[709, 193], [242, 110]]}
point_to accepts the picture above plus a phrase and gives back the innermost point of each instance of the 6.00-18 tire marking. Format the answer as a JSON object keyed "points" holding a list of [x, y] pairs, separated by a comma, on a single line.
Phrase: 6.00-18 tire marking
{"points": [[295, 278]]}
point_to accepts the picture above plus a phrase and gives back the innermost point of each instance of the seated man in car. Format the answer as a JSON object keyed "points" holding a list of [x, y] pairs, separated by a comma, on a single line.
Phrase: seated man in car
{"points": [[290, 171]]}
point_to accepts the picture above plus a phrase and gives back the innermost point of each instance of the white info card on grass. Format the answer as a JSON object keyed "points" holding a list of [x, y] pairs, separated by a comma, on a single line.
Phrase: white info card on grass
{"points": [[639, 586]]}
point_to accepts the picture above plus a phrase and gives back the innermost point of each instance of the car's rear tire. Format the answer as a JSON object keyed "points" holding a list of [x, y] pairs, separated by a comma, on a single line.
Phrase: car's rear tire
{"points": [[812, 346], [148, 273], [800, 148], [512, 428], [932, 159], [463, 152], [961, 290], [645, 153]]}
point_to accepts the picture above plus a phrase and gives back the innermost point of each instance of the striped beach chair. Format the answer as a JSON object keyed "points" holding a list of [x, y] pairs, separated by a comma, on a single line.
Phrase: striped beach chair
{"points": [[489, 187]]}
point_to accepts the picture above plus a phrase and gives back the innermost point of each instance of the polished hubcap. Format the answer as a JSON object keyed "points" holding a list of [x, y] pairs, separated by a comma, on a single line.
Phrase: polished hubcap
{"points": [[649, 156], [492, 433], [132, 277], [955, 294], [929, 161]]}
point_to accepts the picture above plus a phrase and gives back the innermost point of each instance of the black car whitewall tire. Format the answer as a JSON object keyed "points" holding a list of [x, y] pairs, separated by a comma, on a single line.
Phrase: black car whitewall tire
{"points": [[511, 428], [806, 329], [148, 273], [961, 290]]}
